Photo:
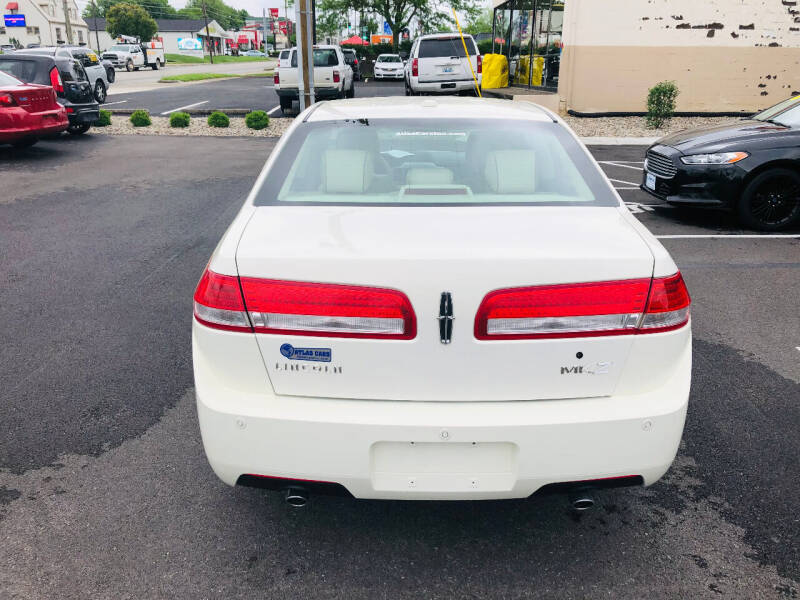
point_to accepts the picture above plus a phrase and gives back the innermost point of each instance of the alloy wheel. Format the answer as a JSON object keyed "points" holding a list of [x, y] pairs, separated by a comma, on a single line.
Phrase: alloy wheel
{"points": [[775, 202]]}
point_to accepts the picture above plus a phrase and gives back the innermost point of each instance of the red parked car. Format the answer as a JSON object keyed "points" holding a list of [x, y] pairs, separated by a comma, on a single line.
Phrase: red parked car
{"points": [[28, 112]]}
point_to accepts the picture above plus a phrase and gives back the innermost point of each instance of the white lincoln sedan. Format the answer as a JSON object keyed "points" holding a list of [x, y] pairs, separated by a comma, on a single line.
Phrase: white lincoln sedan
{"points": [[438, 299]]}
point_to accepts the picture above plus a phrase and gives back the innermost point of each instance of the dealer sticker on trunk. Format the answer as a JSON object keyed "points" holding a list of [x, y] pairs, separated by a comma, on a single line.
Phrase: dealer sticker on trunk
{"points": [[313, 354]]}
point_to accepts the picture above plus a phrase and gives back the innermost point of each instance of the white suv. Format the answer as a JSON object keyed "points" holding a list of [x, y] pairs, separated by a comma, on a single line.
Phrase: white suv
{"points": [[437, 65]]}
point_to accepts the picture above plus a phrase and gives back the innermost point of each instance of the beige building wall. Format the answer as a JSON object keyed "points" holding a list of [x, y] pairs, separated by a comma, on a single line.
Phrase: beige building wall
{"points": [[725, 55]]}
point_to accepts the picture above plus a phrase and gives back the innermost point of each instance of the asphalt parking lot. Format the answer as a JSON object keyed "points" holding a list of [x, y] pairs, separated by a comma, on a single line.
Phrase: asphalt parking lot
{"points": [[250, 93], [105, 491]]}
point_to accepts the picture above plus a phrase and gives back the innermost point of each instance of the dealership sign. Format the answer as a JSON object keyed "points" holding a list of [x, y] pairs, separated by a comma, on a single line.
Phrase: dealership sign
{"points": [[14, 20], [190, 47]]}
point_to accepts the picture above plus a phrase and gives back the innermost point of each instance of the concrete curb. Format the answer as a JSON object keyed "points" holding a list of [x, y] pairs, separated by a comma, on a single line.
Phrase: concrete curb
{"points": [[619, 141]]}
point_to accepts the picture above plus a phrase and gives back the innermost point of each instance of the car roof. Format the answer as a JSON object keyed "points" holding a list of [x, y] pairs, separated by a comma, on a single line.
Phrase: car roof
{"points": [[416, 107], [437, 36], [30, 56]]}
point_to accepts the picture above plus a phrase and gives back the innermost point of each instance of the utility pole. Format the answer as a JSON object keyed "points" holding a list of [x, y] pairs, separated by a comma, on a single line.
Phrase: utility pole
{"points": [[96, 33], [264, 14], [67, 22], [305, 55], [208, 37]]}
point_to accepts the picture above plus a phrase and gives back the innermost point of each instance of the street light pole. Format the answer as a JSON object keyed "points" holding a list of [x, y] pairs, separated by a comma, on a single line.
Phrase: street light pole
{"points": [[208, 37]]}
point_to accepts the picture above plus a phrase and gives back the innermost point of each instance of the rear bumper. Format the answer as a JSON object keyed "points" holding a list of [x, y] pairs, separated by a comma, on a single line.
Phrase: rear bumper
{"points": [[319, 93], [18, 124], [83, 115], [444, 87], [428, 450]]}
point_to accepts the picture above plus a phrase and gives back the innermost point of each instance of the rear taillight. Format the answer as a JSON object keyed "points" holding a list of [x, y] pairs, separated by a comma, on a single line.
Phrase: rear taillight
{"points": [[55, 80], [218, 302], [7, 100], [355, 62], [415, 68], [584, 309], [480, 64], [667, 306], [328, 310], [276, 79], [335, 76]]}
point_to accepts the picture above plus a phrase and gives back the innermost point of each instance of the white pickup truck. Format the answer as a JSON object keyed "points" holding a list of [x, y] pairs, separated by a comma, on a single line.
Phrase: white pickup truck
{"points": [[333, 77], [133, 56]]}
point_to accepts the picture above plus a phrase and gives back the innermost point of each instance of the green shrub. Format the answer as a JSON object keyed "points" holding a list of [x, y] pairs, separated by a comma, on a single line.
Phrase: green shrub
{"points": [[104, 120], [257, 119], [141, 118], [485, 47], [661, 103], [218, 119], [179, 119]]}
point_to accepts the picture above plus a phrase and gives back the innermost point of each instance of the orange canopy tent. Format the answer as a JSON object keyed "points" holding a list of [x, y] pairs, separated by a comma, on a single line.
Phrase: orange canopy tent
{"points": [[354, 41]]}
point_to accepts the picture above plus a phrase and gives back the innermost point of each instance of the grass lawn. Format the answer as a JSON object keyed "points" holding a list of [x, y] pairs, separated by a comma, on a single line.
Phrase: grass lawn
{"points": [[196, 76], [201, 76], [181, 59]]}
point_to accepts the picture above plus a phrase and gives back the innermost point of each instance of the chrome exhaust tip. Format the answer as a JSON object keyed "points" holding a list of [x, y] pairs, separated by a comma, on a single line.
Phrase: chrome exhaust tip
{"points": [[296, 497], [581, 502]]}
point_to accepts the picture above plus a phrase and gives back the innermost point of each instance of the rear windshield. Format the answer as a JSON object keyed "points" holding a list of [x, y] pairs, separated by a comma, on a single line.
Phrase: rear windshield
{"points": [[392, 59], [24, 70], [322, 58], [398, 162], [445, 47], [8, 80], [71, 70]]}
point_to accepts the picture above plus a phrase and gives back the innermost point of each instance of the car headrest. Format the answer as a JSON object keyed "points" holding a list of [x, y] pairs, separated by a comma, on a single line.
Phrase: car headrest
{"points": [[511, 171], [348, 171], [429, 176]]}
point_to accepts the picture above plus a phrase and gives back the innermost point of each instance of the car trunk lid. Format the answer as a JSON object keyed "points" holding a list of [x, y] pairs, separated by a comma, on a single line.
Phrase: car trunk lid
{"points": [[423, 252], [34, 98]]}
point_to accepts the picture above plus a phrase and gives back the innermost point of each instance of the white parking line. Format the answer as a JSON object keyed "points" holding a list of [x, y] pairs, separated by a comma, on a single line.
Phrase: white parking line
{"points": [[272, 110], [617, 164], [633, 162], [702, 236], [117, 102], [625, 188], [625, 182], [182, 107]]}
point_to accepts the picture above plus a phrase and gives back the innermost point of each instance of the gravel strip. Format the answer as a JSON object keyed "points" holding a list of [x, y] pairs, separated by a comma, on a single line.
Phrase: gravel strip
{"points": [[636, 126], [121, 125]]}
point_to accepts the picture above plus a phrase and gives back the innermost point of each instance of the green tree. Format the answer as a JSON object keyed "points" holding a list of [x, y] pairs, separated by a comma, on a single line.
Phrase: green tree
{"points": [[432, 15], [130, 19], [330, 22], [482, 23], [228, 17], [158, 9]]}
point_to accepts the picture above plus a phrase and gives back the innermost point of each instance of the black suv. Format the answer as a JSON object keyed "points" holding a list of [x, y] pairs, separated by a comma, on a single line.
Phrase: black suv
{"points": [[351, 59], [68, 80]]}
